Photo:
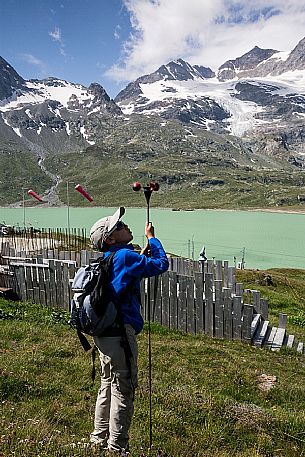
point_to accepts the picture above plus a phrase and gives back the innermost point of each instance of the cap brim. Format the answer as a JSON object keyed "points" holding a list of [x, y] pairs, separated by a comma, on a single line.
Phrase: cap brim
{"points": [[114, 219]]}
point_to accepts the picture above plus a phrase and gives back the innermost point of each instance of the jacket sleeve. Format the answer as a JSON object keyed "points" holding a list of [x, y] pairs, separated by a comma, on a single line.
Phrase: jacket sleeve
{"points": [[139, 265]]}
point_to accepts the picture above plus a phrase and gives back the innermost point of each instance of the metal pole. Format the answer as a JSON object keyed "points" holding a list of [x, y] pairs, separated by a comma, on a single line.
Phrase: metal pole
{"points": [[68, 210], [147, 193], [23, 204]]}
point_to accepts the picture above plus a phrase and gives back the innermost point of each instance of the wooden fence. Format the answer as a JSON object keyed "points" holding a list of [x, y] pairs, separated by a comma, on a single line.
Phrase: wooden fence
{"points": [[29, 241], [206, 300]]}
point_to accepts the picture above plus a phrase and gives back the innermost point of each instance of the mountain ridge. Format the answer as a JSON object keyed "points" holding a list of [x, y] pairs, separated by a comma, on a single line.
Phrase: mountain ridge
{"points": [[252, 121]]}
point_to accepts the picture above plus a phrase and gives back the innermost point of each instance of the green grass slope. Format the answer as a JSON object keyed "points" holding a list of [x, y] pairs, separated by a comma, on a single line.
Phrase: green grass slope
{"points": [[189, 180], [207, 395]]}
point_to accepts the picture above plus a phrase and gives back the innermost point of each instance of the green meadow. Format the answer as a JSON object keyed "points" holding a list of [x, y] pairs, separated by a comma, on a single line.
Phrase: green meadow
{"points": [[209, 397]]}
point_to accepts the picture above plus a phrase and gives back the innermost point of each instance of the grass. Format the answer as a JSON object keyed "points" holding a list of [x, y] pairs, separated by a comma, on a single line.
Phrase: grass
{"points": [[286, 295], [186, 181], [206, 398]]}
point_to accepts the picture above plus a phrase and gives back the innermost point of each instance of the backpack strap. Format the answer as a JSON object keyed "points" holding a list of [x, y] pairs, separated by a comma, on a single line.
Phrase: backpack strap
{"points": [[87, 347]]}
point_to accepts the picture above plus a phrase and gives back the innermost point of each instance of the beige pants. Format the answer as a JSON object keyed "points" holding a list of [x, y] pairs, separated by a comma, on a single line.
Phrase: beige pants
{"points": [[114, 404]]}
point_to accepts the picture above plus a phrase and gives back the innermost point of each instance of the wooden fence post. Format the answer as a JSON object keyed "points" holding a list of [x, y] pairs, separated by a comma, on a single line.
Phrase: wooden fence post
{"points": [[246, 323], [182, 303], [218, 309], [191, 326], [227, 313], [237, 318], [173, 299], [225, 273], [199, 304], [165, 316], [209, 306]]}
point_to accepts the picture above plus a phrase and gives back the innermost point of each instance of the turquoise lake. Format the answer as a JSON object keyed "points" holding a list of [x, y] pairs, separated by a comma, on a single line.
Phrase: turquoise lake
{"points": [[270, 239]]}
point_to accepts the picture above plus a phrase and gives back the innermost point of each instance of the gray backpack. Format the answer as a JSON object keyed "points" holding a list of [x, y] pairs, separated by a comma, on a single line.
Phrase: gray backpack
{"points": [[92, 311]]}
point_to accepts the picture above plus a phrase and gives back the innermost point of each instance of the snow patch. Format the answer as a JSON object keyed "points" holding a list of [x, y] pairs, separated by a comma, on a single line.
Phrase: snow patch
{"points": [[85, 135], [17, 131], [39, 91]]}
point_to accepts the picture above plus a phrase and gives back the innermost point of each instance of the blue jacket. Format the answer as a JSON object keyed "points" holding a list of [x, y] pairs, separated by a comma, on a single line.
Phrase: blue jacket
{"points": [[130, 267]]}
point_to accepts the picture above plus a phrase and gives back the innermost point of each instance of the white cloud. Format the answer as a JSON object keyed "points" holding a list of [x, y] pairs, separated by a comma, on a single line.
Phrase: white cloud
{"points": [[29, 58], [117, 32], [56, 35], [205, 32]]}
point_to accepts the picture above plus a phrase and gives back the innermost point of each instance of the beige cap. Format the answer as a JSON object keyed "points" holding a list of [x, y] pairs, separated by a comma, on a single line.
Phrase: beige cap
{"points": [[104, 227]]}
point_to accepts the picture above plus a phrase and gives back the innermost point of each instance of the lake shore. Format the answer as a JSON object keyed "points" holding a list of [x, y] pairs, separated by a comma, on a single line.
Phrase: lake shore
{"points": [[282, 209]]}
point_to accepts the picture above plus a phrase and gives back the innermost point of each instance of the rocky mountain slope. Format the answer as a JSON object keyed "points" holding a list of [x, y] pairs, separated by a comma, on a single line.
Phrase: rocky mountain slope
{"points": [[189, 123], [260, 92]]}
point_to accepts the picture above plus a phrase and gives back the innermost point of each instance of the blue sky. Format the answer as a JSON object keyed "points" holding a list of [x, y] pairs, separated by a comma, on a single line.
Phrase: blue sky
{"points": [[112, 42]]}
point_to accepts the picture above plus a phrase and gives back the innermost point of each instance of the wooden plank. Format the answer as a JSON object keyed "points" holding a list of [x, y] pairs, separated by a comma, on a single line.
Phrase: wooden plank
{"points": [[165, 299], [173, 299], [278, 339], [227, 313], [218, 270], [78, 259], [61, 255], [174, 264], [260, 334], [264, 308], [42, 291], [36, 295], [210, 266], [66, 287], [231, 278], [20, 277], [209, 305], [182, 303], [199, 305], [255, 323], [158, 305], [225, 273], [83, 257], [29, 283], [67, 255], [282, 320], [247, 317], [239, 290], [256, 295], [72, 271], [237, 318], [47, 286], [270, 338], [218, 331], [190, 320], [290, 341], [59, 284], [52, 284]]}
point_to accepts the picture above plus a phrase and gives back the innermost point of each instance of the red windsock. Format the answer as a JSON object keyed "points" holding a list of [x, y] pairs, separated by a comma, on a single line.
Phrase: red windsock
{"points": [[33, 194], [82, 191]]}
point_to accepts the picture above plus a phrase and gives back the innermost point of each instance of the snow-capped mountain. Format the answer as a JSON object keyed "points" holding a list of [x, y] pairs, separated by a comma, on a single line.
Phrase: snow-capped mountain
{"points": [[51, 115], [214, 127], [257, 92]]}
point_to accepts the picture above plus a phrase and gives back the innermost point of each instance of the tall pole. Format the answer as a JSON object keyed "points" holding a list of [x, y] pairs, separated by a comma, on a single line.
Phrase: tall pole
{"points": [[68, 209], [23, 204], [147, 193]]}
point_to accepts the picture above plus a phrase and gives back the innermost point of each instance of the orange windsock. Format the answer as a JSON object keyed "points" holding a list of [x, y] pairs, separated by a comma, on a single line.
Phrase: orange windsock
{"points": [[33, 194], [82, 191]]}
